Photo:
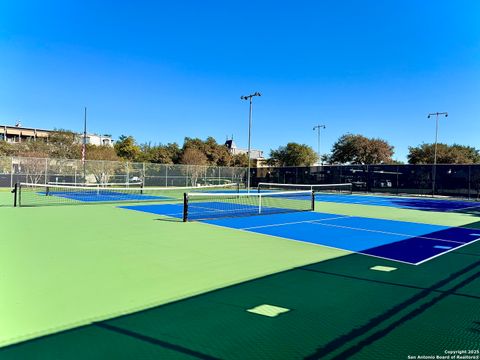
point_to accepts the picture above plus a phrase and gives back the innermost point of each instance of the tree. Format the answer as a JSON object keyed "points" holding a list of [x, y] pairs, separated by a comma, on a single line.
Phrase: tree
{"points": [[196, 159], [293, 155], [192, 156], [446, 154], [102, 162], [240, 160], [160, 154], [127, 148], [33, 164], [215, 153], [6, 149], [63, 145], [358, 149]]}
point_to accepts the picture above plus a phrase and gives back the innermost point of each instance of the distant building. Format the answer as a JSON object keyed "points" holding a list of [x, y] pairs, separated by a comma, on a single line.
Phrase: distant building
{"points": [[94, 139], [256, 156], [19, 134], [234, 150]]}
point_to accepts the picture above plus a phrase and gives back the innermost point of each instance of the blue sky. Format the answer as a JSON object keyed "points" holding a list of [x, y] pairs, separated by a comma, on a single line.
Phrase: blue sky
{"points": [[162, 70]]}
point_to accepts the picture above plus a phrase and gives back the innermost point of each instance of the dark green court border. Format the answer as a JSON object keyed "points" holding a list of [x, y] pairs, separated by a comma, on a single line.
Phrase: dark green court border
{"points": [[340, 310]]}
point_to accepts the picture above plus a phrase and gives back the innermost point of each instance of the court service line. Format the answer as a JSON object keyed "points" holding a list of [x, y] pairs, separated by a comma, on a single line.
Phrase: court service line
{"points": [[322, 222], [389, 233], [294, 222], [310, 243]]}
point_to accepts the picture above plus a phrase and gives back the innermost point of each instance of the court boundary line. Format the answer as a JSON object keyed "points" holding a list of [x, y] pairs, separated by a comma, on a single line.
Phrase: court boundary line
{"points": [[380, 199], [293, 222], [350, 251], [307, 242], [333, 247], [389, 233], [321, 222], [445, 252]]}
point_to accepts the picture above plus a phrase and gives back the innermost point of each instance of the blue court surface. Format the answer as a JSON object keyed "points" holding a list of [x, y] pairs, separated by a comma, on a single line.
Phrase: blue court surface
{"points": [[102, 196], [400, 202], [408, 242]]}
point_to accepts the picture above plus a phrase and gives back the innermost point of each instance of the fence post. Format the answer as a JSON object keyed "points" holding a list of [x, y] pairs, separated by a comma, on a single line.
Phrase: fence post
{"points": [[397, 171], [166, 175], [469, 180], [11, 171], [46, 171]]}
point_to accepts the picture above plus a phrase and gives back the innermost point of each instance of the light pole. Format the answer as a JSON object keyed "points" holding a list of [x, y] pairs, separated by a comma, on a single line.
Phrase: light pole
{"points": [[84, 145], [249, 97], [434, 170], [318, 127]]}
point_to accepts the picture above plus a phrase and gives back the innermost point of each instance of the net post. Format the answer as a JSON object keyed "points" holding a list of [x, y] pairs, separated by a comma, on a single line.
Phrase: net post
{"points": [[15, 192], [313, 200], [141, 187], [47, 191], [185, 207]]}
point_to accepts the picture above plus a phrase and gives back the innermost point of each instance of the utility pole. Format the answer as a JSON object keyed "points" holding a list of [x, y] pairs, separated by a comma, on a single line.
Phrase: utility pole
{"points": [[249, 97], [318, 127], [434, 169], [84, 145]]}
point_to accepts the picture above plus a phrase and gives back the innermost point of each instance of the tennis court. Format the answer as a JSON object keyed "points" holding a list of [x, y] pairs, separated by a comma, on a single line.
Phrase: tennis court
{"points": [[408, 242], [123, 281]]}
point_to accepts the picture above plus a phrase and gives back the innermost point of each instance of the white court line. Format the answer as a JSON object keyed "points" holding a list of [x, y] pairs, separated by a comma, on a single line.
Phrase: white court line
{"points": [[294, 222], [310, 243], [444, 252], [387, 232], [466, 208], [321, 222]]}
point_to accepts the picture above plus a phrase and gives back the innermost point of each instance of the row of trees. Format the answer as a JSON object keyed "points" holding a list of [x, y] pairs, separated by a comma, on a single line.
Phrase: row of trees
{"points": [[358, 149], [348, 149], [193, 152]]}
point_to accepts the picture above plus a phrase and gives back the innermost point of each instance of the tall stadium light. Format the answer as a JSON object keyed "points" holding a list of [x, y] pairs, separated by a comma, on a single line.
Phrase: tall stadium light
{"points": [[318, 127], [84, 145], [249, 97], [434, 169]]}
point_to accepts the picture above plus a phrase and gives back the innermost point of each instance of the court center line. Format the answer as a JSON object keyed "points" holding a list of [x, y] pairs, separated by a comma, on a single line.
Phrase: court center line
{"points": [[322, 222], [391, 233], [294, 222]]}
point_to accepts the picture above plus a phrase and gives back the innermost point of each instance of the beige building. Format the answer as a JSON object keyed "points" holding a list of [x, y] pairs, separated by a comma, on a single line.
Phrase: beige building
{"points": [[18, 134]]}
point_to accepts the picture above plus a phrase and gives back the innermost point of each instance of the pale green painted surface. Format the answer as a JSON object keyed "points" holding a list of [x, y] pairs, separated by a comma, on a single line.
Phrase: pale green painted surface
{"points": [[65, 266]]}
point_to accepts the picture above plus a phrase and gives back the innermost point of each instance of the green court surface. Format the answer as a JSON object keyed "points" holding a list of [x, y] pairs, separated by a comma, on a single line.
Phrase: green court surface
{"points": [[98, 282]]}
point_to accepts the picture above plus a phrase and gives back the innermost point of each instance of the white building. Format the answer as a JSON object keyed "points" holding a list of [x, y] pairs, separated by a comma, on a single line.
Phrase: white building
{"points": [[94, 139], [234, 150]]}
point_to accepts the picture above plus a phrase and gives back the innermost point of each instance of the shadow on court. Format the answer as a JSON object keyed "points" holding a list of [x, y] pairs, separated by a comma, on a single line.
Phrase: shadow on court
{"points": [[338, 309]]}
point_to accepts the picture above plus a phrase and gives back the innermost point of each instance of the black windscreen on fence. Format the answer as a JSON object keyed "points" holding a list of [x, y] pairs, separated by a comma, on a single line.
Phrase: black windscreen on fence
{"points": [[450, 180]]}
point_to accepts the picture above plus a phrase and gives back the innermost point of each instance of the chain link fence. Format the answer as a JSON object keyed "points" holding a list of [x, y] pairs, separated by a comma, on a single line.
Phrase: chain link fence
{"points": [[43, 171], [451, 180]]}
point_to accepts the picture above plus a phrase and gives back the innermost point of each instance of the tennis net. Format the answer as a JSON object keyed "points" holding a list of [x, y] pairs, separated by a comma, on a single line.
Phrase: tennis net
{"points": [[94, 185], [201, 206], [28, 194], [345, 188]]}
